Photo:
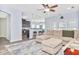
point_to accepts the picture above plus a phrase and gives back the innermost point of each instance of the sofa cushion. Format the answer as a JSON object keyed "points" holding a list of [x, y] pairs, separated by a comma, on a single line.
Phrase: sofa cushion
{"points": [[52, 50], [67, 39], [52, 42], [43, 37]]}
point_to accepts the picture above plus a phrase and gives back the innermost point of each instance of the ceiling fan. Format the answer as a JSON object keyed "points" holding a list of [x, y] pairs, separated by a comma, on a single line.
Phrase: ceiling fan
{"points": [[49, 7]]}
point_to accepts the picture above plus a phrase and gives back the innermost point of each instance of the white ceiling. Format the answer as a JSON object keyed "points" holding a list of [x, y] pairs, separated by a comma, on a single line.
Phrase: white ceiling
{"points": [[31, 10]]}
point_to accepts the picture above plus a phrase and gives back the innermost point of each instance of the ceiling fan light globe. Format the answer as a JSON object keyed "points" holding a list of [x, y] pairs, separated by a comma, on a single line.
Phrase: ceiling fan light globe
{"points": [[47, 10]]}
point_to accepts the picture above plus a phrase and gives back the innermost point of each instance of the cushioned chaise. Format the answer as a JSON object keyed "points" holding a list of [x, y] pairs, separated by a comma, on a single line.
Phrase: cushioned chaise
{"points": [[52, 46]]}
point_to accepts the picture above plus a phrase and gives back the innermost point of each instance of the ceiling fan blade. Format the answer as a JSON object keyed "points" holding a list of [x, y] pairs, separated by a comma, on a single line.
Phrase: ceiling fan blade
{"points": [[47, 5], [44, 5], [54, 6], [40, 9], [52, 10]]}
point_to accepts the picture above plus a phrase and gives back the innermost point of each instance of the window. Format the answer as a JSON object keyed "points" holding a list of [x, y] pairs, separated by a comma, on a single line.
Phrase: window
{"points": [[37, 26], [32, 26]]}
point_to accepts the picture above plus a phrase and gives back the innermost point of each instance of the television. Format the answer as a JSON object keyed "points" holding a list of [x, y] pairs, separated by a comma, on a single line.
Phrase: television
{"points": [[68, 33]]}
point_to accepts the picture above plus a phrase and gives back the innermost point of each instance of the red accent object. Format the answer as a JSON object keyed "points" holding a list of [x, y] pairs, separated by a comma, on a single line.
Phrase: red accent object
{"points": [[69, 52]]}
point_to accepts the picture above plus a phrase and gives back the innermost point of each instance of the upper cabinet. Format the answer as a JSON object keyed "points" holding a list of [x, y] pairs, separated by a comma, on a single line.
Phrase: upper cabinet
{"points": [[25, 23]]}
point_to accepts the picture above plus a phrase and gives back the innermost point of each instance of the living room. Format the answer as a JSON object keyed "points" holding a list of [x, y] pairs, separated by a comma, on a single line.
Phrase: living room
{"points": [[39, 29]]}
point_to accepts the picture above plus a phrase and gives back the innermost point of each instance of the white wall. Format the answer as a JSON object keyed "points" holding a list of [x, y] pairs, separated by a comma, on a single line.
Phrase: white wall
{"points": [[3, 27], [8, 28], [15, 24], [55, 20]]}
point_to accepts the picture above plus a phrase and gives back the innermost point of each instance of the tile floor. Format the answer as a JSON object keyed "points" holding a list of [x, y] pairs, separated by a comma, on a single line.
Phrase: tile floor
{"points": [[27, 47]]}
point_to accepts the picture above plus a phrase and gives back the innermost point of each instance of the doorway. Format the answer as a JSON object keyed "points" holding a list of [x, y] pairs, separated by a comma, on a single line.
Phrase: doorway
{"points": [[4, 28]]}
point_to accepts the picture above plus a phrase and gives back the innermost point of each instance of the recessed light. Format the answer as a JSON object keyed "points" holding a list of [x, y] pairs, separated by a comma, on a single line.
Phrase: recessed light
{"points": [[72, 7]]}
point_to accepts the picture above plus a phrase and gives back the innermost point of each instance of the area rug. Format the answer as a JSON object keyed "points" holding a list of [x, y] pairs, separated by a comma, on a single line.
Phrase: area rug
{"points": [[25, 48]]}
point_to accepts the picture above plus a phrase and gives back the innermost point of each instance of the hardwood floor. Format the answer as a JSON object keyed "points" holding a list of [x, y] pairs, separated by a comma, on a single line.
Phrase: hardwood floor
{"points": [[3, 41], [3, 50]]}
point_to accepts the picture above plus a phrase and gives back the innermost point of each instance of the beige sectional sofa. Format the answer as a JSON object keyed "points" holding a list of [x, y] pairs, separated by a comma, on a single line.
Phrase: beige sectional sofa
{"points": [[56, 34], [53, 40], [48, 35]]}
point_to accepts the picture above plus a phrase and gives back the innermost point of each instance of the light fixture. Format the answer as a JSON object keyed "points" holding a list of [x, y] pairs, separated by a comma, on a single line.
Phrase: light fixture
{"points": [[70, 7], [61, 17], [47, 9]]}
